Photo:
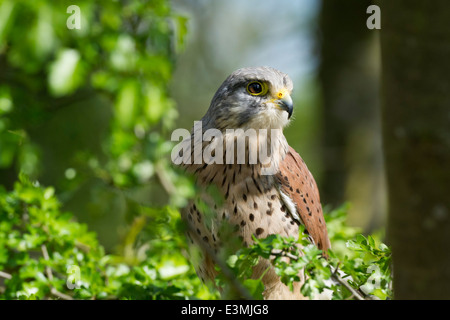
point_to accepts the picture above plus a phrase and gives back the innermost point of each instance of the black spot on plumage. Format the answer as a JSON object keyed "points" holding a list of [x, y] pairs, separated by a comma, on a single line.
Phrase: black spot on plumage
{"points": [[251, 217], [259, 231], [244, 196], [255, 205], [243, 223]]}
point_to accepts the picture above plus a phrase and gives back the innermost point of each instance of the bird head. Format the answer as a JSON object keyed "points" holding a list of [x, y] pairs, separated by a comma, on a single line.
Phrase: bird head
{"points": [[257, 98]]}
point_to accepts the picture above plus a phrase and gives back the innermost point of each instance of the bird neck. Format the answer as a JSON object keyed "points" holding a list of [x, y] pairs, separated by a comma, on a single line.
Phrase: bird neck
{"points": [[236, 155]]}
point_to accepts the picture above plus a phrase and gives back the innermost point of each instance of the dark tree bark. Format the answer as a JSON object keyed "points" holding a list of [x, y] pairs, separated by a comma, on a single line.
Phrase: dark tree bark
{"points": [[415, 39], [350, 105]]}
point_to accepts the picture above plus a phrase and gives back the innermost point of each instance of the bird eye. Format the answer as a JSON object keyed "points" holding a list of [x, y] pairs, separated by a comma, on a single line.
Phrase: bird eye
{"points": [[256, 88]]}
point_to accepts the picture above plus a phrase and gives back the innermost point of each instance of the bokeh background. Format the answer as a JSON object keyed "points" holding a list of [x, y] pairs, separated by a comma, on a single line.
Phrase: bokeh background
{"points": [[90, 111]]}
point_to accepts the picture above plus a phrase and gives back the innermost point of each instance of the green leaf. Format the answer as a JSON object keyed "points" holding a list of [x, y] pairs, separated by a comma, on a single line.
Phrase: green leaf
{"points": [[65, 72], [255, 287], [126, 104]]}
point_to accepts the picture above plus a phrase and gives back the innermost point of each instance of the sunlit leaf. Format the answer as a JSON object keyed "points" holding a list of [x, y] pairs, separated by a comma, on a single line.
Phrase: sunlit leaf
{"points": [[63, 78]]}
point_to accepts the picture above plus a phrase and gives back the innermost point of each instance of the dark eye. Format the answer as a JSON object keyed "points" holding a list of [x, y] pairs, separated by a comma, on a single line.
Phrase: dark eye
{"points": [[256, 88]]}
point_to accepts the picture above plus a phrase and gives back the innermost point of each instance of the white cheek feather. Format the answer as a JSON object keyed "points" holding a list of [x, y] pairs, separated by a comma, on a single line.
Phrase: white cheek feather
{"points": [[269, 118]]}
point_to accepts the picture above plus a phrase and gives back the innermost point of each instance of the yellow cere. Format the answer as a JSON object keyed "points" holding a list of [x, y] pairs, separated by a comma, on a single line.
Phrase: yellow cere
{"points": [[282, 93]]}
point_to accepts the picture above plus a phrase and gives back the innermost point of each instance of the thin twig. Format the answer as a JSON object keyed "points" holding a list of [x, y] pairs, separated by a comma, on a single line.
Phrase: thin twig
{"points": [[60, 294], [5, 275], [227, 272], [49, 272], [284, 254], [164, 179], [334, 275]]}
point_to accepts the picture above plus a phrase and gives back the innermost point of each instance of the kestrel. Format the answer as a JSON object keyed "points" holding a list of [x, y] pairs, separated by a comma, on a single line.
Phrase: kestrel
{"points": [[255, 201]]}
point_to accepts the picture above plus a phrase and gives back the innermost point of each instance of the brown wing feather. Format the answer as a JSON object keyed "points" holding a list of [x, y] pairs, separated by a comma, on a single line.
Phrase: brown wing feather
{"points": [[299, 184]]}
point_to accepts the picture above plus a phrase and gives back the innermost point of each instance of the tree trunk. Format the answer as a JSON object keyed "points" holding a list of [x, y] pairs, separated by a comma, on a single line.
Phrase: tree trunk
{"points": [[415, 40], [351, 139]]}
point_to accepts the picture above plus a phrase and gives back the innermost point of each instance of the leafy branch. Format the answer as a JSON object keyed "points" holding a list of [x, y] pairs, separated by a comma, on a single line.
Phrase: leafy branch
{"points": [[362, 271]]}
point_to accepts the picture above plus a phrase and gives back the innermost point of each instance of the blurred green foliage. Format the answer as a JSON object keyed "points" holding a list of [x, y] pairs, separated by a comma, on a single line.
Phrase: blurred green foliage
{"points": [[44, 254], [88, 110]]}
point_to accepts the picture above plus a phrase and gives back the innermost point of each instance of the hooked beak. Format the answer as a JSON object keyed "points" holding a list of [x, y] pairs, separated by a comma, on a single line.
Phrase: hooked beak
{"points": [[286, 104]]}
